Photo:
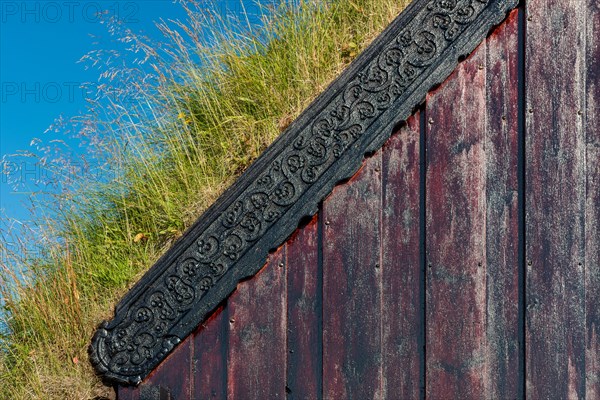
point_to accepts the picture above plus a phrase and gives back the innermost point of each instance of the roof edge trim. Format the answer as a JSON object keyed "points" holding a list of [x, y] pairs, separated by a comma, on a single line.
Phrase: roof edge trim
{"points": [[355, 115]]}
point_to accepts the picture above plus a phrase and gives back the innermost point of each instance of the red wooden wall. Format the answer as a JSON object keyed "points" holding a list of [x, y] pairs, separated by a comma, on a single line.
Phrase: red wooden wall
{"points": [[461, 261]]}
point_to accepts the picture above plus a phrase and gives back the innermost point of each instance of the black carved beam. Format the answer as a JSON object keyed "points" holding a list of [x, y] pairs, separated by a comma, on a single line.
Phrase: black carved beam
{"points": [[326, 144]]}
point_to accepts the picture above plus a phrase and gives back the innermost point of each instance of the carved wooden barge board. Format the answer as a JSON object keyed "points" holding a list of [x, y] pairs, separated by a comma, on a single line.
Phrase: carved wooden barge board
{"points": [[326, 144]]}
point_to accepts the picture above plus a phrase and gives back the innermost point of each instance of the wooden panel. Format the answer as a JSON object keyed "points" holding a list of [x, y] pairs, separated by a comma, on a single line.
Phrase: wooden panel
{"points": [[127, 393], [209, 357], [456, 234], [352, 367], [304, 337], [351, 327], [256, 363], [503, 375], [401, 269], [172, 378], [555, 199], [592, 216]]}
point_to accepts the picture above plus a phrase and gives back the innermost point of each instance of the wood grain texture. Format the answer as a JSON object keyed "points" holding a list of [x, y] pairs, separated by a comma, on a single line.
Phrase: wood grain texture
{"points": [[352, 353], [209, 357], [501, 144], [172, 379], [555, 199], [456, 234], [401, 269], [304, 299], [256, 362], [592, 205], [127, 393]]}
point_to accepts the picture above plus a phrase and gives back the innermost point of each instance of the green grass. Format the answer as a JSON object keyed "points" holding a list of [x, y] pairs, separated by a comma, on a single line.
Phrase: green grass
{"points": [[218, 99]]}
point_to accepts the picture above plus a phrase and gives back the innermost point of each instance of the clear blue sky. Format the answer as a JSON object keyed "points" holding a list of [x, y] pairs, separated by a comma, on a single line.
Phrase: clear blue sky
{"points": [[40, 44]]}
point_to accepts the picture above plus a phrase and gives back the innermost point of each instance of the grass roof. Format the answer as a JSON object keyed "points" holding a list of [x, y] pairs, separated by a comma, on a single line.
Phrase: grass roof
{"points": [[183, 126]]}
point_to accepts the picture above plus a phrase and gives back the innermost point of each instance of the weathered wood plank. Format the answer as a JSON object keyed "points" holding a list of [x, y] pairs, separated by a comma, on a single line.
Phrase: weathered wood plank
{"points": [[128, 393], [304, 335], [503, 377], [456, 233], [352, 353], [209, 357], [401, 269], [555, 199], [172, 378], [256, 362], [592, 210]]}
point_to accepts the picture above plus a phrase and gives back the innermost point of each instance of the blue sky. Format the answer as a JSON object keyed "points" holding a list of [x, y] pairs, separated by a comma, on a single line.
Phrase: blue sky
{"points": [[40, 45]]}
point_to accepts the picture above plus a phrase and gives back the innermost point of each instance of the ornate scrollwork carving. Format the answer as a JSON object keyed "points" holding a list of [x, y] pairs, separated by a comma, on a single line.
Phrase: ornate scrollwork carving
{"points": [[154, 317]]}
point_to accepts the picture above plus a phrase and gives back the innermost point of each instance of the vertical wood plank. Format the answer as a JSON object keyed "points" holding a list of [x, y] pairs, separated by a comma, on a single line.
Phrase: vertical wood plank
{"points": [[128, 393], [172, 376], [401, 269], [555, 199], [352, 353], [592, 208], [456, 233], [503, 378], [209, 357], [304, 335], [256, 362]]}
